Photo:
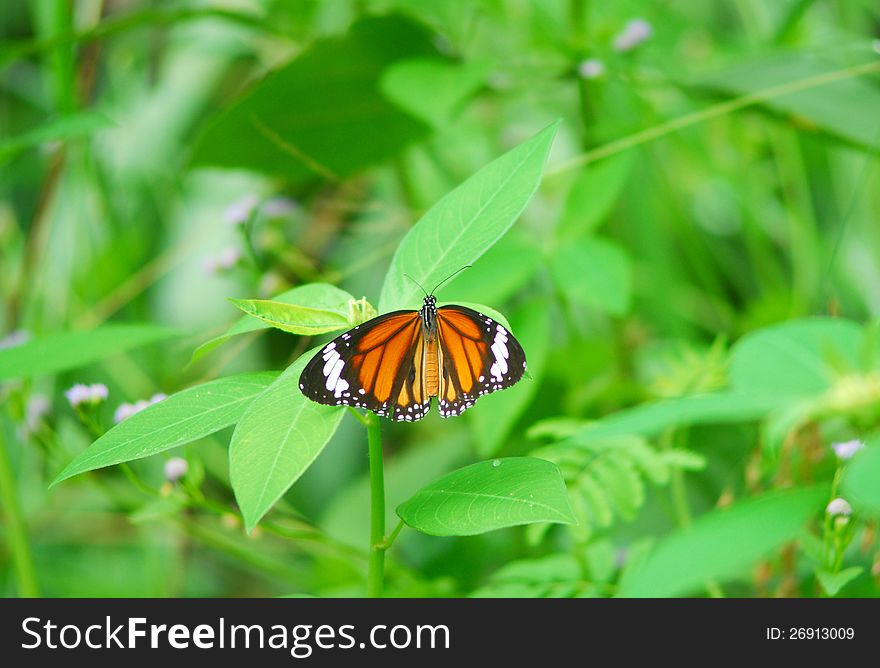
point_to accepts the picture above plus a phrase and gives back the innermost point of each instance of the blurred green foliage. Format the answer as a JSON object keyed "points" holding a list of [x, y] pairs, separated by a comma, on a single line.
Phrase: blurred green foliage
{"points": [[696, 283]]}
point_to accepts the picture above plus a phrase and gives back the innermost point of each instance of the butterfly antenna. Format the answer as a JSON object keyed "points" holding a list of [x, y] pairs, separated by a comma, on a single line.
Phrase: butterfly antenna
{"points": [[455, 273], [417, 283]]}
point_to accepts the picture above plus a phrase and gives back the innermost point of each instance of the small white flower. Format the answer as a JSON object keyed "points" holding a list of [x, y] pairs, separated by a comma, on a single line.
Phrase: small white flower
{"points": [[122, 411], [241, 209], [839, 506], [591, 68], [86, 394], [225, 259], [634, 33], [126, 410], [14, 338], [278, 207], [175, 469], [847, 449]]}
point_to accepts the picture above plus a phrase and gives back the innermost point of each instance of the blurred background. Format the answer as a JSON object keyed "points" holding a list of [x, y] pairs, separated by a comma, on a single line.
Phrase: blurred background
{"points": [[714, 174]]}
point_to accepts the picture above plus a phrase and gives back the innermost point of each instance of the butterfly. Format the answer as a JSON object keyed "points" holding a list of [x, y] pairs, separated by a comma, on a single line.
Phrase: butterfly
{"points": [[394, 364]]}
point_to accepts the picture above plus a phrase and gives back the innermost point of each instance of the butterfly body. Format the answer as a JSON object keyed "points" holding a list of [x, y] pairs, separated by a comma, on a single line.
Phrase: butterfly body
{"points": [[396, 363]]}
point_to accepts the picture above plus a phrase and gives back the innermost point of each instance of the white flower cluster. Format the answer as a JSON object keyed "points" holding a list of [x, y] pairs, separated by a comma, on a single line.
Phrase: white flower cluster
{"points": [[225, 259], [127, 410], [175, 469], [591, 68], [847, 449], [81, 394], [15, 338], [634, 33], [839, 506]]}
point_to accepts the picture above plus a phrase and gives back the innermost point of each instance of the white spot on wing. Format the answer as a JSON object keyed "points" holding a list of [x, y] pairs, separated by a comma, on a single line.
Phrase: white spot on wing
{"points": [[333, 376], [499, 350]]}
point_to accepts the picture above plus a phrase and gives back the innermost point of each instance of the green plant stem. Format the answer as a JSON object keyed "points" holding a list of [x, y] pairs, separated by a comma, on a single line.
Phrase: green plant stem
{"points": [[830, 543], [714, 111], [393, 536], [16, 531], [376, 564], [680, 504]]}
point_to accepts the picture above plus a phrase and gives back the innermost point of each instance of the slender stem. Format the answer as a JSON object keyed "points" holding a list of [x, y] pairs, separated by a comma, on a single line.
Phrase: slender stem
{"points": [[680, 503], [16, 531], [679, 497], [392, 537], [715, 111], [360, 418], [376, 565]]}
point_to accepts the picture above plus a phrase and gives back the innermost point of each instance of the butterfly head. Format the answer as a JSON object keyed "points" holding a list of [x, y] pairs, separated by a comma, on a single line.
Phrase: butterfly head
{"points": [[428, 312]]}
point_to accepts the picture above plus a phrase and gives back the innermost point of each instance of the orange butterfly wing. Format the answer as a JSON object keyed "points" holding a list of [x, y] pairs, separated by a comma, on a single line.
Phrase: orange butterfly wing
{"points": [[377, 365], [477, 356]]}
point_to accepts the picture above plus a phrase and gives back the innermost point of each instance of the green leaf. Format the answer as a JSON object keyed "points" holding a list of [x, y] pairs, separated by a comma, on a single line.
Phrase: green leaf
{"points": [[489, 495], [80, 124], [595, 273], [686, 460], [847, 108], [293, 318], [592, 196], [795, 358], [322, 115], [499, 274], [276, 440], [466, 222], [68, 350], [314, 295], [723, 543], [181, 418], [433, 89], [861, 482], [651, 419], [832, 583], [497, 413]]}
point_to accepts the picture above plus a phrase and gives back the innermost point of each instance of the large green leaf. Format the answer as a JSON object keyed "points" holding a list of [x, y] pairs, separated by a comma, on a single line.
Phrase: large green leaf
{"points": [[847, 108], [433, 89], [723, 544], [276, 440], [652, 418], [594, 272], [489, 495], [68, 350], [181, 418], [312, 295], [800, 357], [499, 274], [495, 414], [861, 482], [466, 222], [322, 115], [592, 196]]}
